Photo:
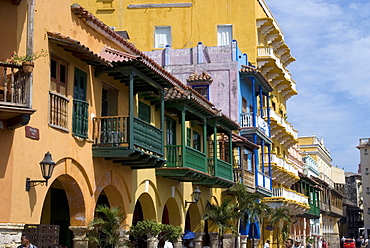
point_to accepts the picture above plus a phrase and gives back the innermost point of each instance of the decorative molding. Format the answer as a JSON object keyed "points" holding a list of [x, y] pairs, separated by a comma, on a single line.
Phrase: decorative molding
{"points": [[159, 5]]}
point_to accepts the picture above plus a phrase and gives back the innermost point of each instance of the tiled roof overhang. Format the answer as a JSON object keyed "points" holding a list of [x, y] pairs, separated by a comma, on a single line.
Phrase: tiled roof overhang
{"points": [[110, 59], [251, 71], [77, 49], [119, 59], [237, 139]]}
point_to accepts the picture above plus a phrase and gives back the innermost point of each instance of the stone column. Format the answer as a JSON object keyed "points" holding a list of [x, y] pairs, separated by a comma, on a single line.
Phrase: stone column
{"points": [[243, 241], [228, 241], [79, 239], [198, 240], [214, 239], [10, 234], [178, 243], [152, 242], [123, 237]]}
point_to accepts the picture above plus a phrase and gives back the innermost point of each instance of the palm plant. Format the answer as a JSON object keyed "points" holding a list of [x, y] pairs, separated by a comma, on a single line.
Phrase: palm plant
{"points": [[104, 230], [223, 216], [280, 216], [249, 205]]}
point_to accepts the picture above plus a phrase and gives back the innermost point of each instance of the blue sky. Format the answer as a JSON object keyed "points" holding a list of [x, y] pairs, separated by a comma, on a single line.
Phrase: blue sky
{"points": [[330, 40]]}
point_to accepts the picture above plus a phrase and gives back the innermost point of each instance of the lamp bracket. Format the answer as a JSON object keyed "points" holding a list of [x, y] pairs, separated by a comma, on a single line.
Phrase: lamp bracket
{"points": [[32, 183], [189, 202]]}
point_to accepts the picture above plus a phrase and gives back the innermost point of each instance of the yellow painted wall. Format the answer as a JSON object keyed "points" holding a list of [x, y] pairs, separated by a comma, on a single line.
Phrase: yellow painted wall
{"points": [[189, 25], [83, 176]]}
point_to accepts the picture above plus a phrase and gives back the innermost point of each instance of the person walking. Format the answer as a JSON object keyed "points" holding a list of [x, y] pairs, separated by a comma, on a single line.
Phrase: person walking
{"points": [[267, 244], [25, 242], [289, 243]]}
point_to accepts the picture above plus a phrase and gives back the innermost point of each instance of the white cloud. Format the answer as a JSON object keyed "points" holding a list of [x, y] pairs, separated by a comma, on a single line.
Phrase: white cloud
{"points": [[331, 42]]}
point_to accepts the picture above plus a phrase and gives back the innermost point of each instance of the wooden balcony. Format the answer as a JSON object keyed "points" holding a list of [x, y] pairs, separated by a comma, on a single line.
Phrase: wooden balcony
{"points": [[244, 176], [335, 211], [263, 184], [250, 126], [195, 167], [314, 211], [15, 104], [139, 145]]}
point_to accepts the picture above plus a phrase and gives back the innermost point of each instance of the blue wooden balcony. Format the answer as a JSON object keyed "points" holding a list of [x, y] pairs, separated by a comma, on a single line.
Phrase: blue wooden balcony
{"points": [[138, 146]]}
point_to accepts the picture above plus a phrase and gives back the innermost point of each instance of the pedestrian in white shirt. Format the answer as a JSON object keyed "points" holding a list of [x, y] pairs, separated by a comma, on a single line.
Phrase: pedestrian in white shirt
{"points": [[267, 244]]}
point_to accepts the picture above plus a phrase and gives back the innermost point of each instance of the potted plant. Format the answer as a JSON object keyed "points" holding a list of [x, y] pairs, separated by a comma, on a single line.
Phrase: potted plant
{"points": [[27, 60]]}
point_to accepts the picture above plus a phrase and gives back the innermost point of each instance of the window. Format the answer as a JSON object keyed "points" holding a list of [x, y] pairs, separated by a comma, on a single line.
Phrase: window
{"points": [[58, 101], [224, 34], [162, 36], [197, 144], [244, 105], [144, 112], [170, 131], [80, 105], [109, 106], [203, 90], [58, 75]]}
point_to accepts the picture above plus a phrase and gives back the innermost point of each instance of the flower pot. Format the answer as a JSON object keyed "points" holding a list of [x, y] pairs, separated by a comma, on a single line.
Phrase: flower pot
{"points": [[28, 66]]}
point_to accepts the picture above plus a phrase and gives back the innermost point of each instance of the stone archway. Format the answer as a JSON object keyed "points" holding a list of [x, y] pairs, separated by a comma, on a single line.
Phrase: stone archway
{"points": [[172, 211], [64, 206]]}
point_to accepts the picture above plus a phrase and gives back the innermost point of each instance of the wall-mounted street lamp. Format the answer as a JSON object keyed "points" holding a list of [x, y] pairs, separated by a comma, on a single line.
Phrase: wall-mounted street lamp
{"points": [[47, 166], [196, 196]]}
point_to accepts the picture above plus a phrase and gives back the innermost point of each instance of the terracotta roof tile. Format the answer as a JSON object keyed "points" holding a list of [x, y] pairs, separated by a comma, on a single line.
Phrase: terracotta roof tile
{"points": [[79, 50], [113, 55], [199, 78], [250, 70]]}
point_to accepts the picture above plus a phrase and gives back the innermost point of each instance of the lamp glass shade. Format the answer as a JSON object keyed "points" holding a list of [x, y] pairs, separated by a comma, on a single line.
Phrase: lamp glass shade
{"points": [[196, 194], [47, 166]]}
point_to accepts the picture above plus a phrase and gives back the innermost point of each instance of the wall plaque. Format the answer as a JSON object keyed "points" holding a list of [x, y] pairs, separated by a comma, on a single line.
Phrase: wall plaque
{"points": [[32, 133]]}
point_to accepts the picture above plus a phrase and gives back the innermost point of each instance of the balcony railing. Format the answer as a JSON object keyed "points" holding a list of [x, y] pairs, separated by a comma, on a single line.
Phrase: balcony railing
{"points": [[243, 175], [147, 136], [246, 120], [14, 88], [336, 210], [110, 130], [263, 181], [267, 51], [193, 159], [314, 209], [114, 130], [280, 120], [224, 169], [282, 163], [58, 116], [289, 194]]}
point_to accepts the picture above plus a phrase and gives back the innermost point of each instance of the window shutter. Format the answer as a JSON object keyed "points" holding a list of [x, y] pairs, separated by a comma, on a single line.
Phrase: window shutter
{"points": [[144, 112]]}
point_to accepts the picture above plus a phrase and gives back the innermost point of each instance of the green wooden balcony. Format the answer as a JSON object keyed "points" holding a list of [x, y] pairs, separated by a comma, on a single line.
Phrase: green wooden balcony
{"points": [[139, 146], [314, 210], [195, 167]]}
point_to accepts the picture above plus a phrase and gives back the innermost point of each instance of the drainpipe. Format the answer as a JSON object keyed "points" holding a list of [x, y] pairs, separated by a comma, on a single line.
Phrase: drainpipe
{"points": [[167, 55], [30, 38], [200, 53]]}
